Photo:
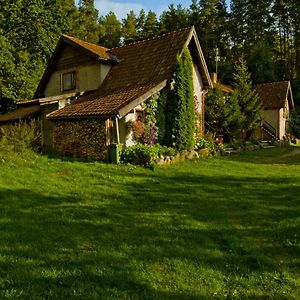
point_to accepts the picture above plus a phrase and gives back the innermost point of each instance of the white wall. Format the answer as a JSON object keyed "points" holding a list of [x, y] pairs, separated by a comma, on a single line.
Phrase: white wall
{"points": [[198, 88], [277, 119], [271, 116], [126, 135]]}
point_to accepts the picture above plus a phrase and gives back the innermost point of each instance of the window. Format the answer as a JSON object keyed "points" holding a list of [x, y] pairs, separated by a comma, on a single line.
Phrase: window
{"points": [[68, 81]]}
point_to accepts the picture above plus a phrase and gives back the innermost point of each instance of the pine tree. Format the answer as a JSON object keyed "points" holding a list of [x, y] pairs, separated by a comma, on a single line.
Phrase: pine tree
{"points": [[247, 99], [151, 25], [261, 63], [174, 18], [87, 25], [110, 31], [129, 28], [210, 18], [140, 24], [238, 27], [222, 114]]}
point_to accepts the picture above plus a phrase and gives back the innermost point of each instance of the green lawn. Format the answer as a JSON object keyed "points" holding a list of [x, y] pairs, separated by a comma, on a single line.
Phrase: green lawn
{"points": [[223, 228]]}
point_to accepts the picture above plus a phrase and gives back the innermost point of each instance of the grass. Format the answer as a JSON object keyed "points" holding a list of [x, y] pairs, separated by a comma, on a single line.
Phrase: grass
{"points": [[224, 228]]}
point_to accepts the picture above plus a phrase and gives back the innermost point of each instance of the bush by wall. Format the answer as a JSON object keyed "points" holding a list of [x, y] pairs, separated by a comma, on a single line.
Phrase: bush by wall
{"points": [[21, 137], [144, 155]]}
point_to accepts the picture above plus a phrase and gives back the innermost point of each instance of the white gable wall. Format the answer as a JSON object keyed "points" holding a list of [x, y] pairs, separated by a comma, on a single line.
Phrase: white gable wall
{"points": [[198, 89], [278, 118]]}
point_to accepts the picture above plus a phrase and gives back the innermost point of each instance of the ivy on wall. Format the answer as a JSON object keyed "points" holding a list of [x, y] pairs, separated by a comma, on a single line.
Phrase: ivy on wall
{"points": [[161, 116], [180, 114], [155, 114], [171, 112]]}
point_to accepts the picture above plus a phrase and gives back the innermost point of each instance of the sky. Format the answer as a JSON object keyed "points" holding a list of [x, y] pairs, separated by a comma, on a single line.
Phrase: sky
{"points": [[122, 7]]}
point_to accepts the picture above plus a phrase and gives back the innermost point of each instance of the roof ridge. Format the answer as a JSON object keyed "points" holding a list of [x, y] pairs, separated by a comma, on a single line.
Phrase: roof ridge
{"points": [[75, 38], [154, 37]]}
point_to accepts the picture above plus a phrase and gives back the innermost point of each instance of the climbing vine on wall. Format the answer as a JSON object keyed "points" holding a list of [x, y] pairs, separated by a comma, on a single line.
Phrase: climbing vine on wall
{"points": [[161, 116], [172, 112], [180, 119], [150, 108]]}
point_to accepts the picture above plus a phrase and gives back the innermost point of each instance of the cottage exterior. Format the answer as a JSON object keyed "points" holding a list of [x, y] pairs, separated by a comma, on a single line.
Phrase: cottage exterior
{"points": [[88, 93], [277, 103]]}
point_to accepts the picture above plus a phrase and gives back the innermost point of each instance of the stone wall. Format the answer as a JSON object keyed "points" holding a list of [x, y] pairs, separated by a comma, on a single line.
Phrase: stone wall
{"points": [[83, 138]]}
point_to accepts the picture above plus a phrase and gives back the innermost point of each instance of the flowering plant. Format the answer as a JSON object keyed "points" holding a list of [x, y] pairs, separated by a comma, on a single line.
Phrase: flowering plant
{"points": [[219, 140], [143, 132]]}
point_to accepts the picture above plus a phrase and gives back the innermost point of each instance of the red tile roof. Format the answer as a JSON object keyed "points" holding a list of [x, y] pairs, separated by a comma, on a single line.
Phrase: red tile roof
{"points": [[273, 95], [142, 67], [100, 51]]}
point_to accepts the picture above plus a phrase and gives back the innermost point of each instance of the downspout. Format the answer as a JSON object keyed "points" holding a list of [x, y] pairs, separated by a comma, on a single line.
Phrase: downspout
{"points": [[117, 128]]}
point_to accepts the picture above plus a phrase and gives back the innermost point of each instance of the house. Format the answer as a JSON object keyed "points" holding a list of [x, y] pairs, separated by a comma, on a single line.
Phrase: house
{"points": [[277, 102], [88, 93]]}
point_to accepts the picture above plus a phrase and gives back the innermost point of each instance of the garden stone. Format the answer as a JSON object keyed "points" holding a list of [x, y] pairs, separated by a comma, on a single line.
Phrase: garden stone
{"points": [[203, 152], [177, 157], [167, 160], [192, 154], [160, 160]]}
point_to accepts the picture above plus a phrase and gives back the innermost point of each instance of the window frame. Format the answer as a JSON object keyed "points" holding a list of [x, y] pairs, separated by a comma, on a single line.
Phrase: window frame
{"points": [[73, 81]]}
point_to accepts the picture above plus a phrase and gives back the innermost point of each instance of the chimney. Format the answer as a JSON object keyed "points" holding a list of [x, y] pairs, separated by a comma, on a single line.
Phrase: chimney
{"points": [[214, 77]]}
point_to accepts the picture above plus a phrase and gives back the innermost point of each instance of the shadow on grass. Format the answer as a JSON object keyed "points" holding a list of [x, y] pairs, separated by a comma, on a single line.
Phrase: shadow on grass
{"points": [[174, 236]]}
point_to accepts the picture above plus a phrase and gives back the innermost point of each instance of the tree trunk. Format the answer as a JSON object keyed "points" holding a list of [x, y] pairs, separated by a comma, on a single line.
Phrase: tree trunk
{"points": [[297, 48]]}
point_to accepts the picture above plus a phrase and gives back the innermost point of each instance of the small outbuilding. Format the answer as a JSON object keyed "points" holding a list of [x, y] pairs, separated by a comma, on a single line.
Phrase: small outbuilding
{"points": [[277, 102]]}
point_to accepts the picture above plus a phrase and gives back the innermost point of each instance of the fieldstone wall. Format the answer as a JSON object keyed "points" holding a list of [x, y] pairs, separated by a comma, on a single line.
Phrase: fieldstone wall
{"points": [[82, 138]]}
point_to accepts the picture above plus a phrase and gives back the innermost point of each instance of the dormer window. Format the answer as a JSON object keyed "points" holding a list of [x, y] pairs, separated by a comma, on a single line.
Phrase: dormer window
{"points": [[68, 81]]}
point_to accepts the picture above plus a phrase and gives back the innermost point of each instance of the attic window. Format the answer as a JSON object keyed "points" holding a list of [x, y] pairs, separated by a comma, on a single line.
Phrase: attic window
{"points": [[68, 81]]}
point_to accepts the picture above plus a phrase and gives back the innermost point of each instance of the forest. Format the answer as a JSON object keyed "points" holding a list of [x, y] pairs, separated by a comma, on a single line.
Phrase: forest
{"points": [[266, 34]]}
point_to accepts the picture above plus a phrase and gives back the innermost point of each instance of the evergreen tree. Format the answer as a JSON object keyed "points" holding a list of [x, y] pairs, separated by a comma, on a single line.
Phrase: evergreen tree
{"points": [[174, 18], [129, 28], [181, 108], [261, 63], [247, 99], [110, 31], [87, 23], [238, 27], [222, 114], [151, 25], [210, 19], [284, 62], [295, 16], [140, 24]]}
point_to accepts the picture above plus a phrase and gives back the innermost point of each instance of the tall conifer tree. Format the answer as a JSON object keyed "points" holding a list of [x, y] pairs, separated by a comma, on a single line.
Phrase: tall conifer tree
{"points": [[247, 99]]}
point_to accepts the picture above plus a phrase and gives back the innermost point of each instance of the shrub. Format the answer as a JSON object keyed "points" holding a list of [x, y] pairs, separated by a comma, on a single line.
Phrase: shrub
{"points": [[203, 143], [144, 155], [21, 136], [143, 133]]}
